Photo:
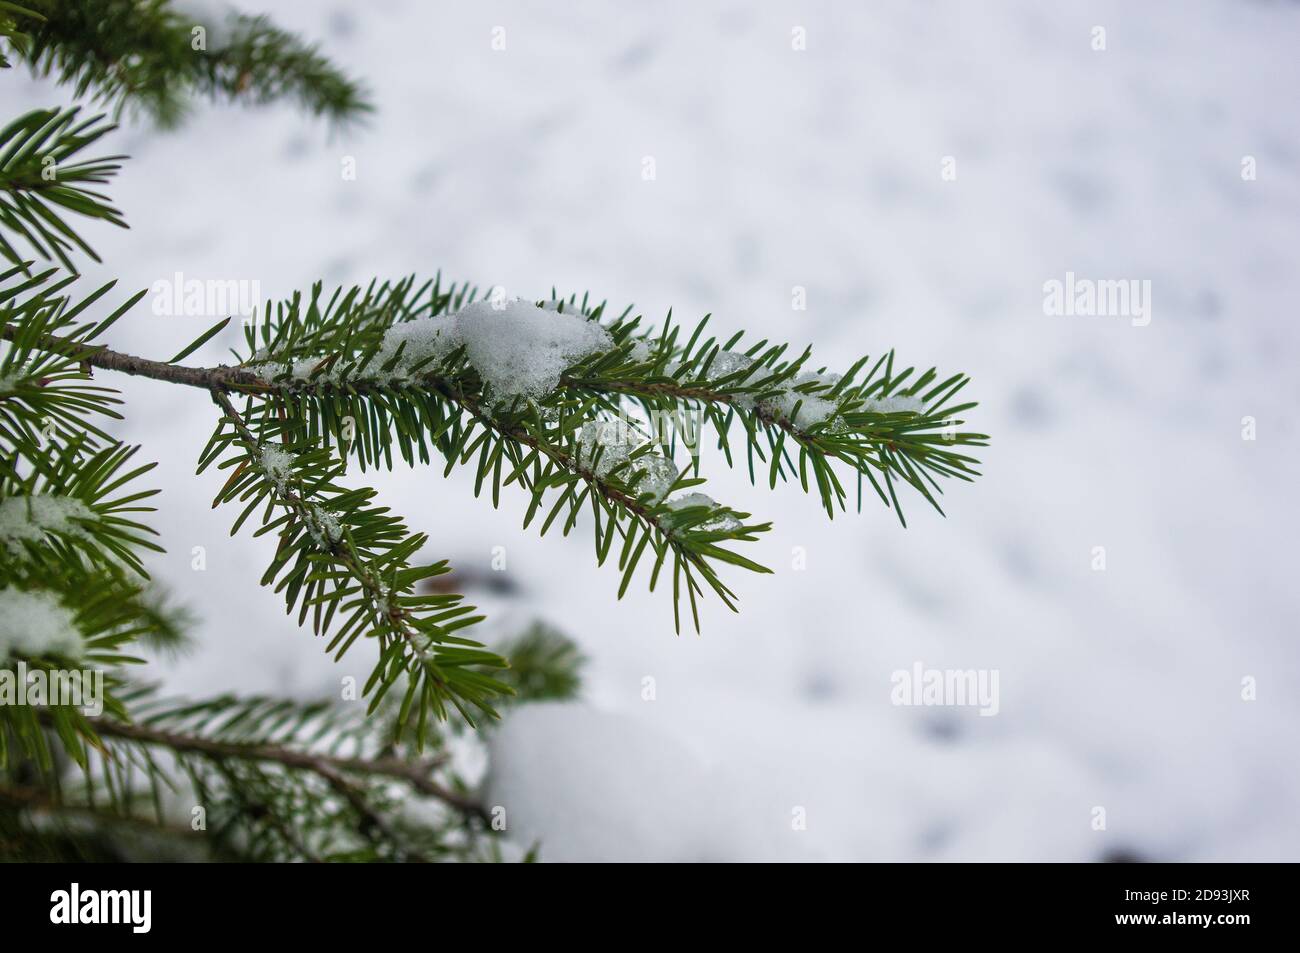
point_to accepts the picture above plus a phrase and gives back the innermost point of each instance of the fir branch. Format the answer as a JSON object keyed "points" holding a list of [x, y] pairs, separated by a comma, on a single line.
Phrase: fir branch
{"points": [[361, 542], [416, 774], [276, 780], [37, 181], [322, 361], [687, 537], [147, 55], [45, 394]]}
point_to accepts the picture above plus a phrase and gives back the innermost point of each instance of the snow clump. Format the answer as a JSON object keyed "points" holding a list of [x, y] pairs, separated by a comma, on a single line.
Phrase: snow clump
{"points": [[32, 517], [36, 623], [276, 463], [604, 445], [811, 408], [518, 349]]}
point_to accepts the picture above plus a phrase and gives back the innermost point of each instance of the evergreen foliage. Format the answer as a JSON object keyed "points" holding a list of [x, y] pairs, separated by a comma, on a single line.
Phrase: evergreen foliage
{"points": [[331, 385]]}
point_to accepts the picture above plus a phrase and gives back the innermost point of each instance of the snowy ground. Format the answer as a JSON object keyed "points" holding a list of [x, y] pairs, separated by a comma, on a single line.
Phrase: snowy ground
{"points": [[821, 168]]}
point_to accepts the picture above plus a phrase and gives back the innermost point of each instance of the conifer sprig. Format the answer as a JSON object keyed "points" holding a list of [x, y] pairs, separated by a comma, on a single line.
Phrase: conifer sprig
{"points": [[46, 392], [337, 554], [319, 345], [254, 763], [322, 359], [38, 182], [322, 365], [779, 405], [144, 54]]}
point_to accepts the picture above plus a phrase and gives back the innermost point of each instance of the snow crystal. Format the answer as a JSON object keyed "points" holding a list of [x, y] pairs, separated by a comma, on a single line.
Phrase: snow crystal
{"points": [[298, 370], [812, 408], [691, 499], [36, 623], [324, 527], [302, 370], [894, 405], [330, 524], [31, 517], [726, 363], [604, 445], [642, 351], [660, 472], [816, 408], [614, 440], [277, 462], [424, 339], [723, 522]]}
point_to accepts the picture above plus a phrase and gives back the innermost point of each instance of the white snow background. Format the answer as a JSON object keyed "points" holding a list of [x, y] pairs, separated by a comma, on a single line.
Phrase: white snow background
{"points": [[820, 168]]}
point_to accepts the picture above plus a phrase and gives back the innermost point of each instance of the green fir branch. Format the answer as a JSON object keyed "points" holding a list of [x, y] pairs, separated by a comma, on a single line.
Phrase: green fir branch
{"points": [[146, 55], [39, 185]]}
